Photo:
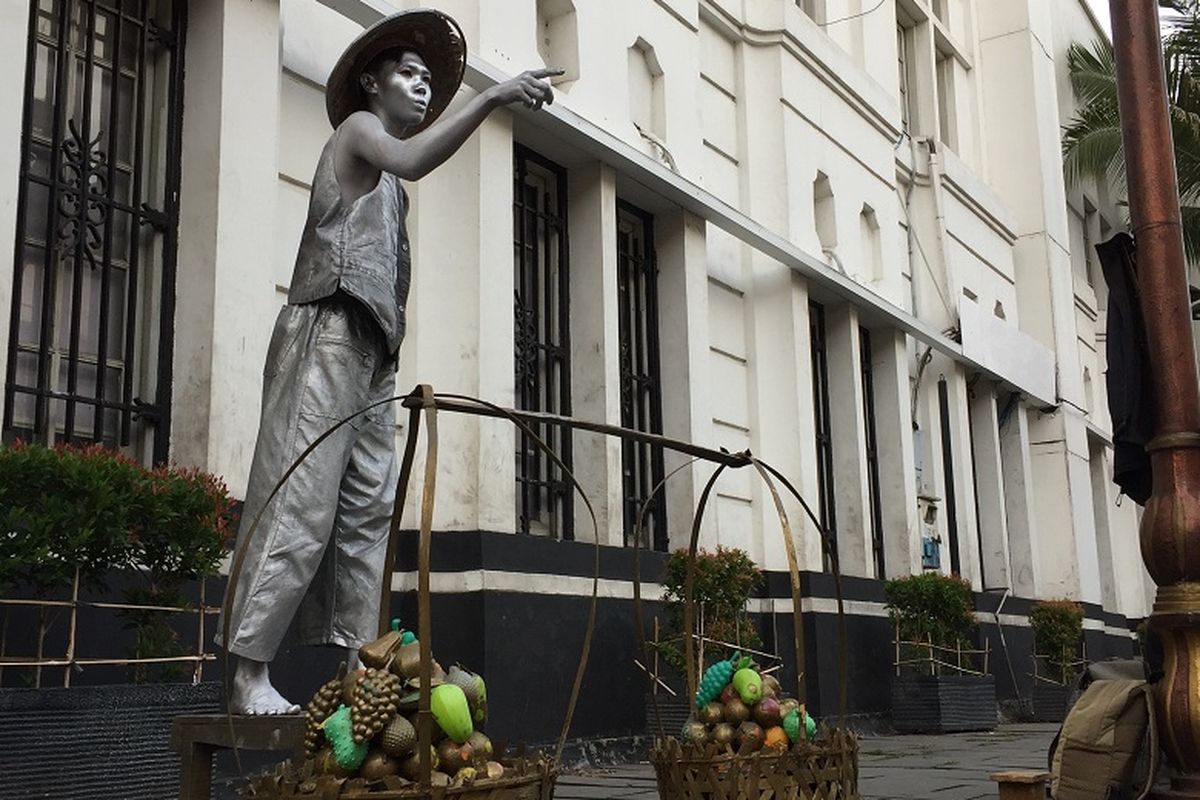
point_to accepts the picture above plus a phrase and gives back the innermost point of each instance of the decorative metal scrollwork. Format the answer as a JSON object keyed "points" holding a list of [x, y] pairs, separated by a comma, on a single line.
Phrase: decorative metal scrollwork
{"points": [[82, 196]]}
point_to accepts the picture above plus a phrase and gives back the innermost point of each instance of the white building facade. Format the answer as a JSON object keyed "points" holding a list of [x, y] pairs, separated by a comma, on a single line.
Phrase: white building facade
{"points": [[833, 232]]}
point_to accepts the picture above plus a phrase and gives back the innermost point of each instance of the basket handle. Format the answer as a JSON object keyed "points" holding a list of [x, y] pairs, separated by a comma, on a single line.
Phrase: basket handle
{"points": [[423, 397]]}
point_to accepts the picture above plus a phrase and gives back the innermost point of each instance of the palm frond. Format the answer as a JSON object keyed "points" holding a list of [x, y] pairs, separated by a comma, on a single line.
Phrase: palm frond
{"points": [[1093, 72], [1092, 145]]}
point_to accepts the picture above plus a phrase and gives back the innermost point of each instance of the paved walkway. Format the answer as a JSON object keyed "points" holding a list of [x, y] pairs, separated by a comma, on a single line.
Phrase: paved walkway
{"points": [[950, 767]]}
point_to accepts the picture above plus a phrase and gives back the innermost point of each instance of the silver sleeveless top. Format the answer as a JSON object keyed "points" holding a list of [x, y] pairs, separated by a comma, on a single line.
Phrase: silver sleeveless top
{"points": [[360, 248]]}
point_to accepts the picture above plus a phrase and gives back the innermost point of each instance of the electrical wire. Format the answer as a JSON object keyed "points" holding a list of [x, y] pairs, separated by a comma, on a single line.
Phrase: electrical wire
{"points": [[876, 7]]}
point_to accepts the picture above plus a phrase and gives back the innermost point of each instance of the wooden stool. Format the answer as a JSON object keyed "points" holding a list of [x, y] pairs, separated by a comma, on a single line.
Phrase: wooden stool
{"points": [[196, 737], [1021, 784]]}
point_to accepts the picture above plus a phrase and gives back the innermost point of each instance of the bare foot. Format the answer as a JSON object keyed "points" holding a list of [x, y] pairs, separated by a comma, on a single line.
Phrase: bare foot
{"points": [[253, 693]]}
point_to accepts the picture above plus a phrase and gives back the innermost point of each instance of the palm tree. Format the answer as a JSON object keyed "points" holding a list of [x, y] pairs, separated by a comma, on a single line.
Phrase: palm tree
{"points": [[1092, 144]]}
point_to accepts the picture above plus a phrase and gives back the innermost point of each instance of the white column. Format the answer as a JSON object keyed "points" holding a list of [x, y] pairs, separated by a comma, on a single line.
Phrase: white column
{"points": [[595, 345], [226, 242], [14, 35], [897, 471], [989, 487], [850, 479], [1019, 504], [684, 357], [496, 474]]}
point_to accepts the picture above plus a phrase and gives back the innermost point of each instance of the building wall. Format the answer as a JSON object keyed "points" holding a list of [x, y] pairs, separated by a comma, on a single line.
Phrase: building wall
{"points": [[907, 164]]}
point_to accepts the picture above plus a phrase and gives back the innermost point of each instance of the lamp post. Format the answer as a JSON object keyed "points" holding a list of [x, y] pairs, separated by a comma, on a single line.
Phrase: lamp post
{"points": [[1170, 530]]}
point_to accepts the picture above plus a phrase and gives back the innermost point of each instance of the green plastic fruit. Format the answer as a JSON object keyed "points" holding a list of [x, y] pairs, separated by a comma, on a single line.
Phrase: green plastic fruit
{"points": [[792, 723], [748, 685], [716, 676], [451, 711], [339, 732]]}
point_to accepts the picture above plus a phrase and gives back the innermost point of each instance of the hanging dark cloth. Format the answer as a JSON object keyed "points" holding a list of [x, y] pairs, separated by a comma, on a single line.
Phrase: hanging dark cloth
{"points": [[1130, 391]]}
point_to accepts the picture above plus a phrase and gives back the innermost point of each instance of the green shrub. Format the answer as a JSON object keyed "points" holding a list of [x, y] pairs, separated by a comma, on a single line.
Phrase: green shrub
{"points": [[724, 582], [1057, 631], [89, 508], [931, 607]]}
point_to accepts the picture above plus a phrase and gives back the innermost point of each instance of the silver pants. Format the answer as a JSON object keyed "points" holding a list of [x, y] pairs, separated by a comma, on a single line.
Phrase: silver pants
{"points": [[316, 559]]}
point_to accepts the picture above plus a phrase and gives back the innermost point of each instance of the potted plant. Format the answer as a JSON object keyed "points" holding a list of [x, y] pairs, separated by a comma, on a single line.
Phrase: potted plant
{"points": [[725, 580], [941, 683], [93, 541], [1057, 636]]}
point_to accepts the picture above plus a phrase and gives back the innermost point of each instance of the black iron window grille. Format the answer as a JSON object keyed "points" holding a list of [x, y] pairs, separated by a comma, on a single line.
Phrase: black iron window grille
{"points": [[542, 350], [824, 429], [89, 350], [641, 380], [872, 446]]}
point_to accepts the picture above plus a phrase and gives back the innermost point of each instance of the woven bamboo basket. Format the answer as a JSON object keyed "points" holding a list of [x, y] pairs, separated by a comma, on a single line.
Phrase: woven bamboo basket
{"points": [[826, 769], [524, 778], [823, 769]]}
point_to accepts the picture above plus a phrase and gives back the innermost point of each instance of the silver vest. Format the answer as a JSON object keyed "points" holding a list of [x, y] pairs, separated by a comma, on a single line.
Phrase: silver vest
{"points": [[360, 248]]}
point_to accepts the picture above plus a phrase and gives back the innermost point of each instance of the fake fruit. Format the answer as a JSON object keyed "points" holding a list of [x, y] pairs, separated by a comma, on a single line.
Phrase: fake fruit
{"points": [[375, 695], [451, 712], [410, 767], [799, 724], [407, 663], [464, 777], [723, 733], [453, 756], [378, 764], [377, 653], [776, 739], [711, 714], [339, 734], [399, 737], [695, 732], [495, 769], [323, 703], [348, 684], [750, 736], [786, 705], [727, 694], [766, 713], [735, 712], [326, 764], [771, 685], [482, 746], [748, 685], [716, 676], [474, 688]]}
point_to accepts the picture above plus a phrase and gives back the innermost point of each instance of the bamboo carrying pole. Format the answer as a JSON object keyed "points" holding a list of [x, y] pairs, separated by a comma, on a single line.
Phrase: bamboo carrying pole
{"points": [[1170, 528]]}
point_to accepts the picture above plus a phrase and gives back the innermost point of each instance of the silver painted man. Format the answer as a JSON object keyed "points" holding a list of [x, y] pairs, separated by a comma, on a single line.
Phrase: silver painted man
{"points": [[316, 559]]}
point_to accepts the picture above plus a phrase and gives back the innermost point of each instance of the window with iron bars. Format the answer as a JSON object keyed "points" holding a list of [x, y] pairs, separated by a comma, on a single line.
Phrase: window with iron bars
{"points": [[89, 349], [641, 380], [872, 446], [542, 347], [824, 428]]}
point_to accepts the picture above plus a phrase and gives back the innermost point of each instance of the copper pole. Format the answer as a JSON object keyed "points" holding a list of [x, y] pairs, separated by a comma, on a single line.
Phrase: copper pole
{"points": [[1170, 530]]}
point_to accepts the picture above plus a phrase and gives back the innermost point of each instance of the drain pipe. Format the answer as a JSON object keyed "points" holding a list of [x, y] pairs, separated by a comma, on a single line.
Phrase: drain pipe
{"points": [[1012, 673]]}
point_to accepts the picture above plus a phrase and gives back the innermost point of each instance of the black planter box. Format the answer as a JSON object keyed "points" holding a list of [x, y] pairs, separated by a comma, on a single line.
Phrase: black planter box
{"points": [[95, 741], [1051, 701], [943, 703]]}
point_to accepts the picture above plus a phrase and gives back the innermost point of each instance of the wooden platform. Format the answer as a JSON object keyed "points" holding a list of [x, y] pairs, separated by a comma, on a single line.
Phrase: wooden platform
{"points": [[197, 737]]}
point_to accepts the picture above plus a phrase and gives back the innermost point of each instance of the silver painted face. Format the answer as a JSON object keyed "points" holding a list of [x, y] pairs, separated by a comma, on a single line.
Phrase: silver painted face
{"points": [[401, 89]]}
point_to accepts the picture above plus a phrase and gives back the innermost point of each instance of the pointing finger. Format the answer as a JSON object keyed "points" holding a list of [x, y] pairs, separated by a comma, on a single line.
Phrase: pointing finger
{"points": [[548, 72]]}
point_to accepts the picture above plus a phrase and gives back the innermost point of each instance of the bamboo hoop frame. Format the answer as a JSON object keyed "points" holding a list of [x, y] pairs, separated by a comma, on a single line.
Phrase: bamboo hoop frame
{"points": [[423, 398], [70, 659]]}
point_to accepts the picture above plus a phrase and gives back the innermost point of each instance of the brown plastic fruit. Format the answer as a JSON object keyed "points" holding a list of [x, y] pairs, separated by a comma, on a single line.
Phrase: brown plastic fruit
{"points": [[723, 733], [378, 764], [766, 712], [735, 712], [750, 736], [711, 714]]}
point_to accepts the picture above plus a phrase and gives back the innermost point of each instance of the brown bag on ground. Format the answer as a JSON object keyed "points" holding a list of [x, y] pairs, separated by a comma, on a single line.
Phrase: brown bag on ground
{"points": [[1100, 741]]}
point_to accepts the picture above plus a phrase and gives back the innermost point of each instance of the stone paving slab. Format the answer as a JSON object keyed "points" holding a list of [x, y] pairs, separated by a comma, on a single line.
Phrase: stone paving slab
{"points": [[947, 767]]}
